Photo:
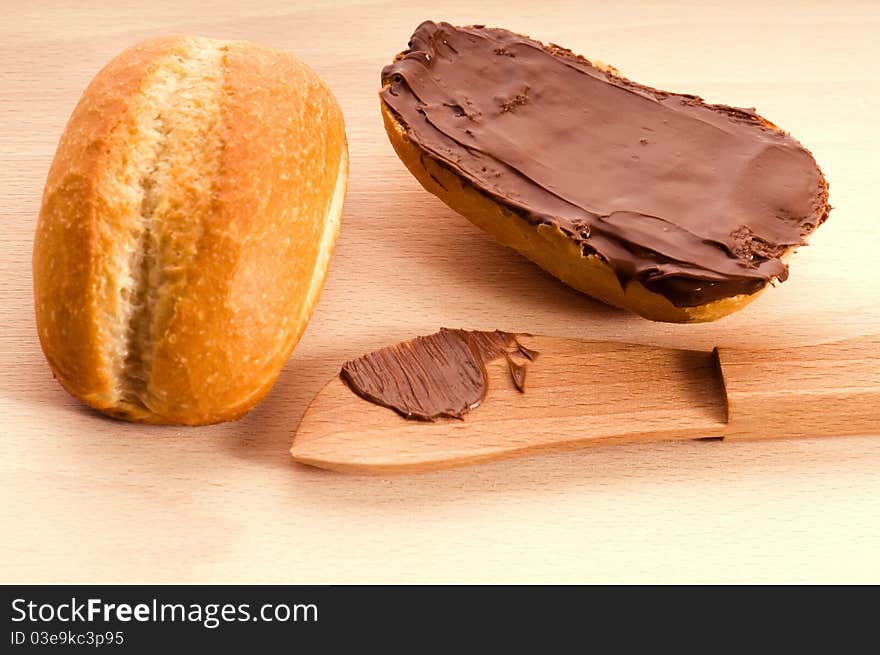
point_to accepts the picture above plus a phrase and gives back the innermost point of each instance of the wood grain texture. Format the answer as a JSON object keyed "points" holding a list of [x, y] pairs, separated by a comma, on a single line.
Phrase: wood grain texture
{"points": [[578, 393], [89, 499], [591, 393], [811, 391]]}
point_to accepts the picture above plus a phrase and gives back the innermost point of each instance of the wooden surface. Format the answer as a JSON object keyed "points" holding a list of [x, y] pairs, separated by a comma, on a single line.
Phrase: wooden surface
{"points": [[89, 499], [594, 393], [577, 393], [810, 391]]}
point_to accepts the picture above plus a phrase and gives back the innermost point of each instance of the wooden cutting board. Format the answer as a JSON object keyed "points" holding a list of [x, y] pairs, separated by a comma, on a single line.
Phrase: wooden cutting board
{"points": [[85, 498]]}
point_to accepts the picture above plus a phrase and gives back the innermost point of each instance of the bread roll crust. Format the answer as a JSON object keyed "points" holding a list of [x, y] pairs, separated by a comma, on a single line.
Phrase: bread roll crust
{"points": [[187, 225]]}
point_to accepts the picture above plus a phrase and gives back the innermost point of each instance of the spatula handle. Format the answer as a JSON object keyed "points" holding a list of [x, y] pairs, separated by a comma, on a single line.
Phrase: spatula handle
{"points": [[824, 390]]}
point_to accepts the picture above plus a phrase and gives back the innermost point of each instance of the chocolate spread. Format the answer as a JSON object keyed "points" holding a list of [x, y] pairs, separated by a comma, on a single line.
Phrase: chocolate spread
{"points": [[696, 201], [442, 374]]}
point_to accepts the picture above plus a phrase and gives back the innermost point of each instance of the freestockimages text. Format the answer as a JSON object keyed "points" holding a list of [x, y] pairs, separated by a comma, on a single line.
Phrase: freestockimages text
{"points": [[209, 615]]}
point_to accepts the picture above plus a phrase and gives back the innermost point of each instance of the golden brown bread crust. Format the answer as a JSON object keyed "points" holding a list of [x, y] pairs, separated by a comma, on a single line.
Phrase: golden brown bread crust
{"points": [[547, 245], [186, 229]]}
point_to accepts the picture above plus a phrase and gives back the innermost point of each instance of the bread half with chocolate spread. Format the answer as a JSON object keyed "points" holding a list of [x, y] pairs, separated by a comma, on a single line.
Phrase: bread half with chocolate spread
{"points": [[656, 202]]}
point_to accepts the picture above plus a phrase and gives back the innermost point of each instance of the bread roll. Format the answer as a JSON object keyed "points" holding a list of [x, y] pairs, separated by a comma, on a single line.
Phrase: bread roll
{"points": [[186, 228], [652, 201]]}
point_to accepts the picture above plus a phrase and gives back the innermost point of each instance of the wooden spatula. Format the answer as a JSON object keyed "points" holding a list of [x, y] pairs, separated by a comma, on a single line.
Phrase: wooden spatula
{"points": [[581, 393]]}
